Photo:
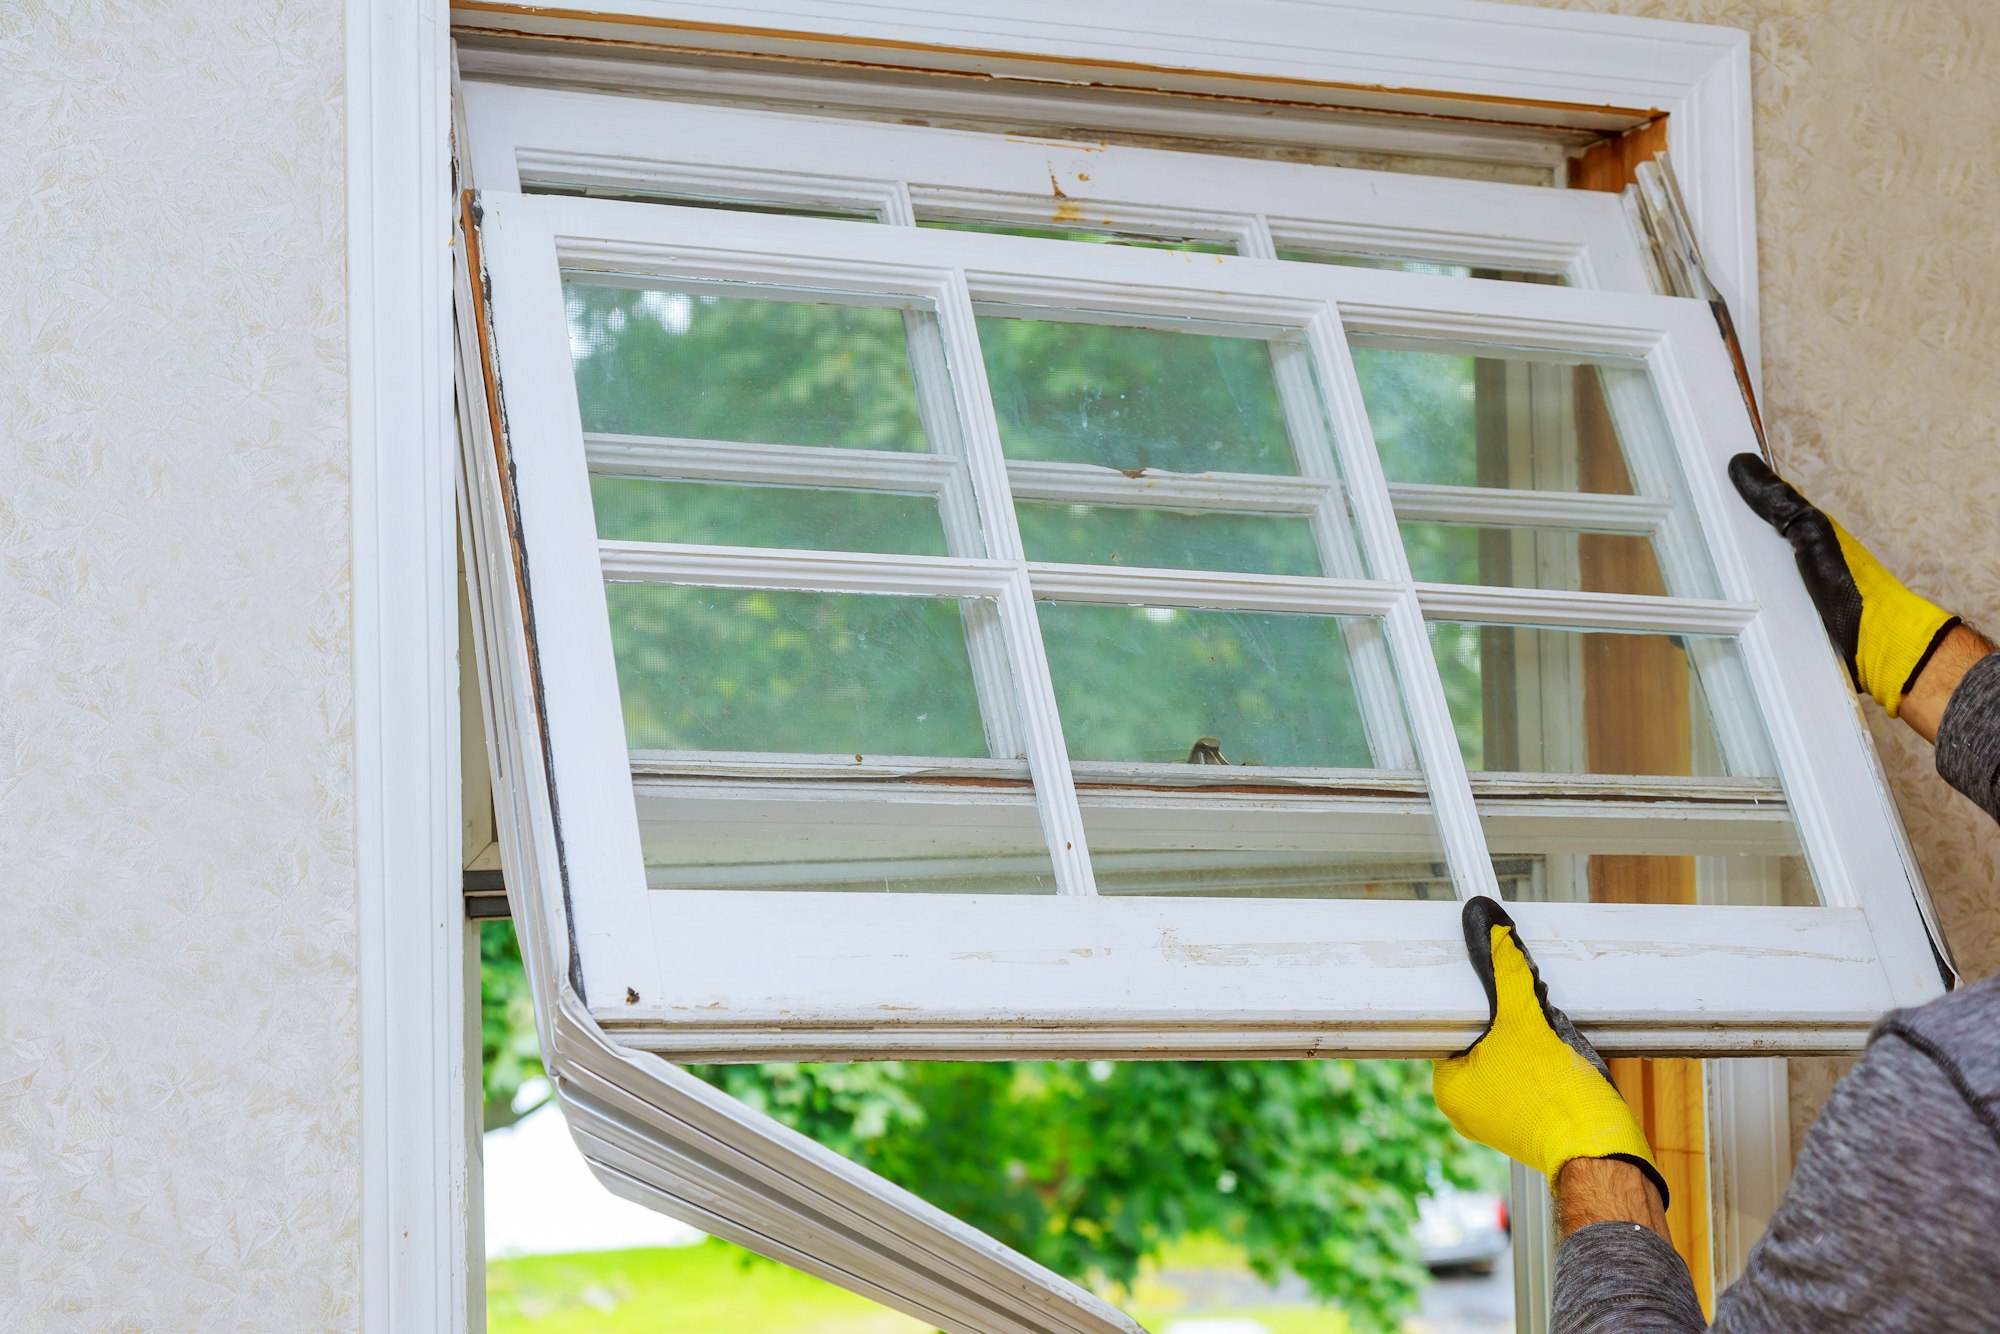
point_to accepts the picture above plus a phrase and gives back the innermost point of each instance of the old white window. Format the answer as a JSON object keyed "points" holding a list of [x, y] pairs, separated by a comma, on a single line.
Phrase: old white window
{"points": [[911, 627]]}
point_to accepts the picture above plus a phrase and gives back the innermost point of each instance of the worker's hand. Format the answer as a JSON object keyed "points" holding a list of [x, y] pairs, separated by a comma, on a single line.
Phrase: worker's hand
{"points": [[1531, 1086], [1885, 633]]}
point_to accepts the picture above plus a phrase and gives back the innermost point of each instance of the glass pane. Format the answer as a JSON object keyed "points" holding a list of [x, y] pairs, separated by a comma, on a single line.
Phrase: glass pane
{"points": [[1502, 418], [1356, 848], [1449, 553], [697, 364], [1066, 231], [817, 673], [637, 509], [1169, 685], [1532, 700], [1168, 539], [1755, 864], [1406, 264], [857, 843], [634, 196], [1133, 399]]}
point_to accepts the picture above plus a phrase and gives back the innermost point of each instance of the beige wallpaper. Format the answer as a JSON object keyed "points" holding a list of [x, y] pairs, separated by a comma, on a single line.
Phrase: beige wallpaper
{"points": [[1877, 199], [178, 1095]]}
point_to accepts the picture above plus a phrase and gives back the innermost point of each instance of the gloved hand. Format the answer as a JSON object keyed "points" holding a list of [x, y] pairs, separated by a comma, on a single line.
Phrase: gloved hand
{"points": [[1532, 1086], [1885, 633]]}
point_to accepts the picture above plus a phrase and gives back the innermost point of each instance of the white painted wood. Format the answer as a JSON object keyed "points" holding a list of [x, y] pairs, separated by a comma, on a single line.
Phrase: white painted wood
{"points": [[1050, 108], [542, 137], [1022, 969], [1750, 1157], [1705, 419], [415, 1187]]}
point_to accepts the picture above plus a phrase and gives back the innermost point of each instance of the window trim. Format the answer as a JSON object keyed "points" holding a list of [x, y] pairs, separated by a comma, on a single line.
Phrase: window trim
{"points": [[416, 1269]]}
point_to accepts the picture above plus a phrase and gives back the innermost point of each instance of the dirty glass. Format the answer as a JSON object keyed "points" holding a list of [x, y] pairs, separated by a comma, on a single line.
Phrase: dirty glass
{"points": [[1225, 870], [1501, 418], [1532, 700], [1553, 558], [1757, 863], [821, 673], [771, 841], [1177, 400], [719, 363], [1167, 539], [642, 509], [1066, 231], [1174, 685], [1354, 259]]}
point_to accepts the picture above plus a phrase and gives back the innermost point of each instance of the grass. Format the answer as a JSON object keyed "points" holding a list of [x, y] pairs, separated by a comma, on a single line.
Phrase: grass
{"points": [[714, 1288]]}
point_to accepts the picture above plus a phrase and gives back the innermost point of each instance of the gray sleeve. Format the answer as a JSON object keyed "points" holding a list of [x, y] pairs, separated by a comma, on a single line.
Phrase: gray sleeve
{"points": [[1888, 1225], [1968, 739]]}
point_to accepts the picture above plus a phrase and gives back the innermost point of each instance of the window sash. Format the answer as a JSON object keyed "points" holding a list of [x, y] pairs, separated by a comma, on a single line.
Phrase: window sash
{"points": [[1645, 978], [530, 136]]}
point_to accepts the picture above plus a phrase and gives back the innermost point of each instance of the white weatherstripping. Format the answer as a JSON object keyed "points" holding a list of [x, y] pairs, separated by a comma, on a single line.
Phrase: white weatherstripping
{"points": [[776, 975], [533, 137]]}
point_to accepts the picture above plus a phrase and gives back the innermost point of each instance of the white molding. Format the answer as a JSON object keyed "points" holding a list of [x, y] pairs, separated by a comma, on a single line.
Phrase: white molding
{"points": [[1750, 1137], [416, 1193]]}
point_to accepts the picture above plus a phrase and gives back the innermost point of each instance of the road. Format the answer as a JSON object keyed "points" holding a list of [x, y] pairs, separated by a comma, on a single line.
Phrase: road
{"points": [[1470, 1304]]}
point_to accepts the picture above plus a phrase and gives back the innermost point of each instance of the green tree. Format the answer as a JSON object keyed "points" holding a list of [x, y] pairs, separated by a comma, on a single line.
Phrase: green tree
{"points": [[1313, 1167]]}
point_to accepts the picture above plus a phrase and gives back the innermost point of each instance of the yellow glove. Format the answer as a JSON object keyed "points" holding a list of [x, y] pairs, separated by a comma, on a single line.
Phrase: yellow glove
{"points": [[1885, 633], [1532, 1086]]}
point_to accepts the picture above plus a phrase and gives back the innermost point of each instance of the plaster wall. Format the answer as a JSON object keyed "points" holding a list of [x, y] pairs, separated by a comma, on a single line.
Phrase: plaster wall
{"points": [[179, 1104], [1880, 261]]}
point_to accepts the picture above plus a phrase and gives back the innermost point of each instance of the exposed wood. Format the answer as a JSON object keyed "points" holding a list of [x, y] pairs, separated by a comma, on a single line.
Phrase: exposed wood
{"points": [[1612, 164], [1667, 1095]]}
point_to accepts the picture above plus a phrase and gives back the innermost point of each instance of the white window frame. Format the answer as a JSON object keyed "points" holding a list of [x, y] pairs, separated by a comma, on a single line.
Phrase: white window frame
{"points": [[417, 1139], [526, 136], [677, 971]]}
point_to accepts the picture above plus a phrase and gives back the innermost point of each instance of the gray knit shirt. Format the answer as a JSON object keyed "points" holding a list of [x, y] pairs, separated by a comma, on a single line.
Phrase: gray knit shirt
{"points": [[1892, 1219]]}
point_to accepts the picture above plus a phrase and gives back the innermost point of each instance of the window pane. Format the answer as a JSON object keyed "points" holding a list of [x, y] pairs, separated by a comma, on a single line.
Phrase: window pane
{"points": [[1587, 702], [681, 200], [1496, 417], [817, 673], [1071, 232], [1449, 553], [1348, 847], [636, 509], [1132, 398], [920, 842], [1773, 876], [1406, 264], [1169, 685], [1168, 539], [694, 363]]}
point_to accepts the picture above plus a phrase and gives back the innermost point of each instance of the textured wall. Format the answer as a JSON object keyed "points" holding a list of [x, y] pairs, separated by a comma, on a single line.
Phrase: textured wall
{"points": [[1877, 194], [179, 1143]]}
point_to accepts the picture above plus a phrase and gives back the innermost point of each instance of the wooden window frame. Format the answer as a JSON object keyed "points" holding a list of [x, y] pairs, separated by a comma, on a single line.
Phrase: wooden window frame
{"points": [[419, 1267]]}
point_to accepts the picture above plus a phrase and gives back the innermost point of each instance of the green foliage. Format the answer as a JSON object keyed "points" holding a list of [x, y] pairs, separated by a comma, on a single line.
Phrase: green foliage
{"points": [[509, 1054], [1312, 1167], [1094, 1168]]}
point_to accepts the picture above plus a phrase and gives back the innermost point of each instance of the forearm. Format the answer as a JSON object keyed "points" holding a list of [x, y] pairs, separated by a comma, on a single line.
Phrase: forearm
{"points": [[1967, 726], [1617, 1268], [1962, 649]]}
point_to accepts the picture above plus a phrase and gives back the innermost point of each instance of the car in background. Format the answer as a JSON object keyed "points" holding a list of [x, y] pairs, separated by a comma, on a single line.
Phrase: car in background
{"points": [[1462, 1229]]}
